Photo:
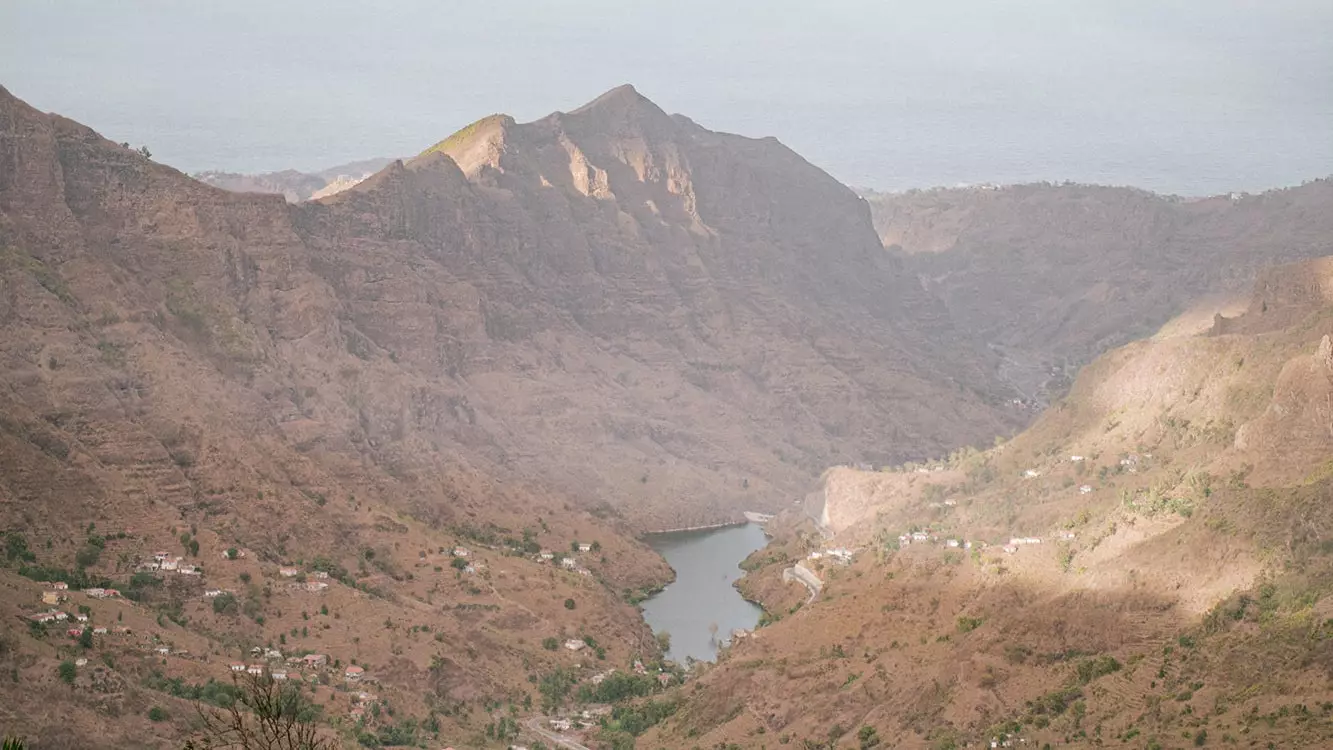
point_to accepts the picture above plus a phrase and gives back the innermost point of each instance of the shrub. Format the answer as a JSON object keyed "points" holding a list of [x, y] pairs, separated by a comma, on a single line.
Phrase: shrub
{"points": [[157, 713], [569, 604], [67, 671]]}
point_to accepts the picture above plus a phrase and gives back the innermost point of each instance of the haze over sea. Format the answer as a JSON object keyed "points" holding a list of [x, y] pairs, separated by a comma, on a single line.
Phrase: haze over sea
{"points": [[1174, 96]]}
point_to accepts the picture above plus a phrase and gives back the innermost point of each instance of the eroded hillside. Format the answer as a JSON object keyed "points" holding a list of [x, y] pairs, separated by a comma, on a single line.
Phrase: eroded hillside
{"points": [[1145, 566], [1053, 275]]}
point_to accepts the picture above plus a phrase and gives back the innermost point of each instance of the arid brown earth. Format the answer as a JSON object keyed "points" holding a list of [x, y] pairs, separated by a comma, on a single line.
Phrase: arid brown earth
{"points": [[1053, 275], [1176, 595]]}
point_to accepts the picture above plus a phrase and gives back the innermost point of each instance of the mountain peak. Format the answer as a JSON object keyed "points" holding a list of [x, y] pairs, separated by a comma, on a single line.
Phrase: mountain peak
{"points": [[620, 104]]}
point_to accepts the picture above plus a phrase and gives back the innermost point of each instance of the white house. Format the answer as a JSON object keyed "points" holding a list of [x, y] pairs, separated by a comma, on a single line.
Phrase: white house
{"points": [[569, 563], [460, 552], [237, 666], [561, 725], [573, 644], [354, 673], [1085, 489], [289, 572], [1075, 459], [255, 669], [584, 547], [547, 555], [212, 593]]}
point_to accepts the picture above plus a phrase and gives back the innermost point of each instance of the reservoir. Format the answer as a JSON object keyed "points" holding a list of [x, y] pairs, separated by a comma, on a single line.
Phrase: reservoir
{"points": [[707, 563]]}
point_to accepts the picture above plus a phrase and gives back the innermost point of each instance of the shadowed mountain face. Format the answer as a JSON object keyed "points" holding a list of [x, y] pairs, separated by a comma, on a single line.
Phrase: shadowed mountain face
{"points": [[1056, 274], [612, 304]]}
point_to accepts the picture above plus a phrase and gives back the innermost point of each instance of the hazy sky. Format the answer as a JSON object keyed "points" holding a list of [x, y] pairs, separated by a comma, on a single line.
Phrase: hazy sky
{"points": [[1187, 96]]}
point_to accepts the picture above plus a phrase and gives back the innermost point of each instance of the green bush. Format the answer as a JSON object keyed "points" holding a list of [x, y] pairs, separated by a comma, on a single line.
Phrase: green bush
{"points": [[67, 671], [157, 713]]}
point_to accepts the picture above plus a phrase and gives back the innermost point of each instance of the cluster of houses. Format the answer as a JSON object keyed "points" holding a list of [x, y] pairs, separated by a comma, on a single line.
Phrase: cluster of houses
{"points": [[586, 719], [568, 563], [1020, 541], [837, 554], [290, 668], [164, 562], [925, 537]]}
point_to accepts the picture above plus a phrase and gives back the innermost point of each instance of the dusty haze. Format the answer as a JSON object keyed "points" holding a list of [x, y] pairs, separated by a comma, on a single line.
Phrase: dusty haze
{"points": [[1184, 97]]}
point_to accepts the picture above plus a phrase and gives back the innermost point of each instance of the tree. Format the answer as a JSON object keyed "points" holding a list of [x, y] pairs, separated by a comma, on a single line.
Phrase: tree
{"points": [[157, 713], [67, 671], [266, 716], [232, 552], [868, 736], [225, 604], [663, 641], [459, 563], [145, 153], [86, 638], [569, 604], [596, 546]]}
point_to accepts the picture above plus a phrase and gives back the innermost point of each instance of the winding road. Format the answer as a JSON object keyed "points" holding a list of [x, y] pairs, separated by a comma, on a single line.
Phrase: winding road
{"points": [[537, 725]]}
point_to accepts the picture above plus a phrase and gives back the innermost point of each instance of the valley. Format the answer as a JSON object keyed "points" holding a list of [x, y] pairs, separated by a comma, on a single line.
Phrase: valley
{"points": [[1045, 464]]}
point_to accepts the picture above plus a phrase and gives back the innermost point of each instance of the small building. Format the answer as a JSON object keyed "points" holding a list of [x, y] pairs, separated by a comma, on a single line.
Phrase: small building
{"points": [[256, 670], [460, 552], [99, 631], [272, 653], [547, 555], [238, 666], [163, 650], [81, 617], [951, 543], [1085, 489], [50, 597], [354, 673], [212, 593], [584, 547], [574, 644], [569, 563], [170, 564], [60, 616], [315, 660], [278, 675], [82, 661], [1075, 459], [161, 556], [320, 575], [664, 679], [562, 725], [1030, 473], [60, 586], [289, 572], [1011, 549]]}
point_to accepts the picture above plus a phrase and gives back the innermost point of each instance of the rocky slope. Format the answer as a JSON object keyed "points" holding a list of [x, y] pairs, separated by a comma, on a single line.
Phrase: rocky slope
{"points": [[709, 316], [1053, 275], [178, 378], [1145, 566], [605, 321]]}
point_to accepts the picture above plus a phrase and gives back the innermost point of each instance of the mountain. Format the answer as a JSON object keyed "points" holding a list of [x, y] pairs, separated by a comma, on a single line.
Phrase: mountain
{"points": [[357, 420], [709, 316], [1053, 275], [1145, 566], [293, 185]]}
